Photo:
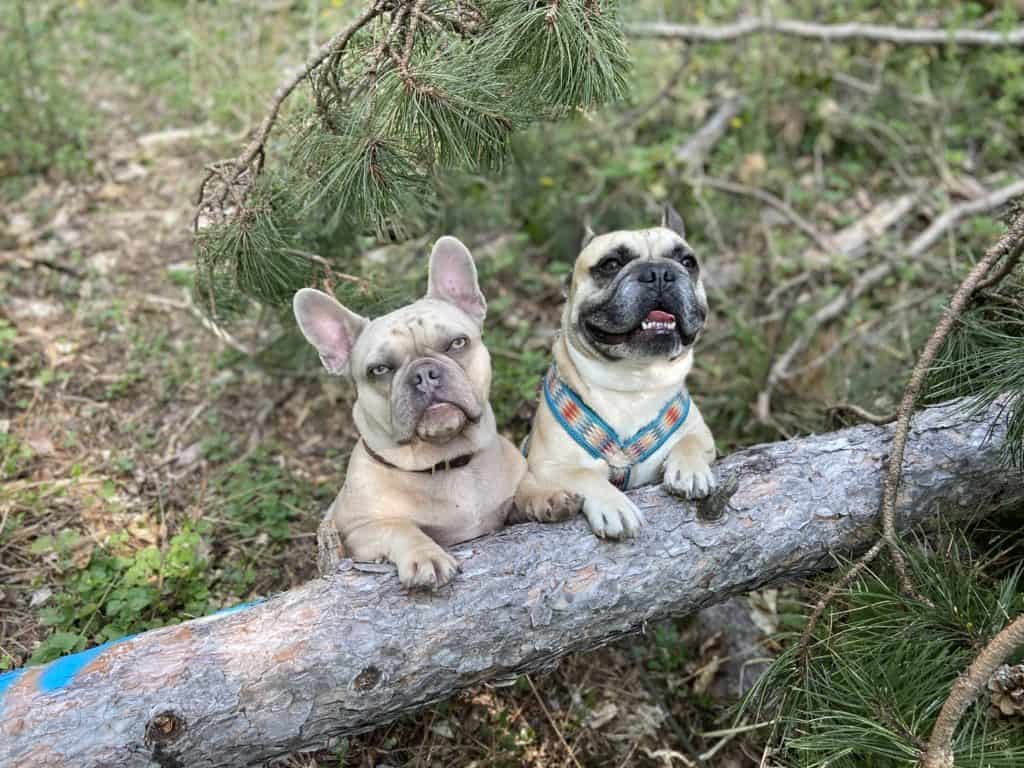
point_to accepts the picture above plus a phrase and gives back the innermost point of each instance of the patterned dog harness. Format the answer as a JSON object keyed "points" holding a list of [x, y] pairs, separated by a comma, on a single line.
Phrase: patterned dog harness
{"points": [[597, 438]]}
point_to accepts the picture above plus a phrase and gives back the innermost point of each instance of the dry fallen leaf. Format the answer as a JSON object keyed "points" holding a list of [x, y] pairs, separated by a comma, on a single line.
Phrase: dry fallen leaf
{"points": [[40, 443], [602, 715], [752, 168]]}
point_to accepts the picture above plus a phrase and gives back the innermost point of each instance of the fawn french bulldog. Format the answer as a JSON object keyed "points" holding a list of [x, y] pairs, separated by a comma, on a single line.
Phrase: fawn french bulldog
{"points": [[615, 412], [430, 469]]}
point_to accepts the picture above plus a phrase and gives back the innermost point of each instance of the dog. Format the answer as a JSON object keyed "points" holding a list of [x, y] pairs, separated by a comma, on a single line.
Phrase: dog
{"points": [[614, 412], [430, 469]]}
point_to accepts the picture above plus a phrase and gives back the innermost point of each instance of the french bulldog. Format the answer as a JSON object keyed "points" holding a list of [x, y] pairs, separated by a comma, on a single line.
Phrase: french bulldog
{"points": [[430, 469], [615, 412]]}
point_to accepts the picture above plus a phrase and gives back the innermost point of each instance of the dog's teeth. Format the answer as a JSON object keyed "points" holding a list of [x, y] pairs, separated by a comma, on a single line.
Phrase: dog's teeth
{"points": [[659, 325]]}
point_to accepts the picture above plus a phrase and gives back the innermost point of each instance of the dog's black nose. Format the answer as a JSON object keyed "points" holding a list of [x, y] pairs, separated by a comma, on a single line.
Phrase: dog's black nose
{"points": [[426, 377], [657, 274]]}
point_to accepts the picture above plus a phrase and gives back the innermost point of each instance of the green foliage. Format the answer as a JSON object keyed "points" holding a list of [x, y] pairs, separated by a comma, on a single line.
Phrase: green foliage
{"points": [[576, 57], [442, 89], [121, 592], [43, 123], [881, 664], [8, 333], [257, 496], [354, 173], [14, 456], [255, 254], [984, 356]]}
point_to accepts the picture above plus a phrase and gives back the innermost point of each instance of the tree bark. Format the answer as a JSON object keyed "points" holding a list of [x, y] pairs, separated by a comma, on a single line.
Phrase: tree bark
{"points": [[347, 653], [826, 33]]}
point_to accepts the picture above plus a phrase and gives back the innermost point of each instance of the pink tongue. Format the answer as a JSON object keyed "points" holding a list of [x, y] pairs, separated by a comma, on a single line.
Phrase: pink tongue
{"points": [[657, 316]]}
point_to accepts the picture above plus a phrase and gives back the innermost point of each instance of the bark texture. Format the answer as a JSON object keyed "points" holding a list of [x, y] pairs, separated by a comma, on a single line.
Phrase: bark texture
{"points": [[344, 654]]}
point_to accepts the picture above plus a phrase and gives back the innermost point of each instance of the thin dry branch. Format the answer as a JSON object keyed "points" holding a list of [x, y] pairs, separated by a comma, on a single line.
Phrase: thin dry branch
{"points": [[824, 242], [939, 753], [826, 33], [694, 152], [855, 239], [867, 280]]}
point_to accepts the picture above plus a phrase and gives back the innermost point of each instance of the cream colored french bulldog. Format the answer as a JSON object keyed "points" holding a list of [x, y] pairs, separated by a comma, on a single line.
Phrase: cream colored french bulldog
{"points": [[430, 469], [614, 412]]}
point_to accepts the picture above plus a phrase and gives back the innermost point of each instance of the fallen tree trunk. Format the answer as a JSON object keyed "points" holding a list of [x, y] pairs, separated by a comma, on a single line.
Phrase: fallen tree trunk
{"points": [[347, 653], [825, 33]]}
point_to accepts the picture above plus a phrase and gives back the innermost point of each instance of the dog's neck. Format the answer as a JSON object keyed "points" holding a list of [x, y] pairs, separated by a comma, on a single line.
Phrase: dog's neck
{"points": [[419, 455], [627, 376]]}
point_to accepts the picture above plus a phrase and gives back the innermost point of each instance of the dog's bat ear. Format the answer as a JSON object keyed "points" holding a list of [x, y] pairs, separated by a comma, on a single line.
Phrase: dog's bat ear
{"points": [[329, 327], [588, 235], [452, 278], [670, 219]]}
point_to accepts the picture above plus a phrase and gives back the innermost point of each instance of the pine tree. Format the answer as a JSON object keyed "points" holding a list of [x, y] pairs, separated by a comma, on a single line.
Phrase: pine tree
{"points": [[411, 89]]}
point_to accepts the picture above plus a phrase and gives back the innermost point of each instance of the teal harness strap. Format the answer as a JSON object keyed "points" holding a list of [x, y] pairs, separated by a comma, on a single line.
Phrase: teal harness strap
{"points": [[595, 436]]}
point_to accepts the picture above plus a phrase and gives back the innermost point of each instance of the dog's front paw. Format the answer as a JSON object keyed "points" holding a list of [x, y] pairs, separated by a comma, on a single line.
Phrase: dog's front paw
{"points": [[688, 476], [613, 517], [553, 506], [426, 568]]}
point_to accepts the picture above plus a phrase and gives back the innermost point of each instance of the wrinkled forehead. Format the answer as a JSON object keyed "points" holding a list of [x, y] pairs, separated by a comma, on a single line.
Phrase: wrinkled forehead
{"points": [[426, 325], [645, 243]]}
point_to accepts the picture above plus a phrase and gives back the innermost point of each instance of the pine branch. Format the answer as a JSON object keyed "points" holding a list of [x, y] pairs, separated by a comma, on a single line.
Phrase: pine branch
{"points": [[869, 688], [331, 48], [825, 33], [939, 753], [429, 86]]}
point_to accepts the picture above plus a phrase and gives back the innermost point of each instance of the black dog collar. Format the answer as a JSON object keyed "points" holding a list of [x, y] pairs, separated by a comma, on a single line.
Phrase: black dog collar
{"points": [[442, 466]]}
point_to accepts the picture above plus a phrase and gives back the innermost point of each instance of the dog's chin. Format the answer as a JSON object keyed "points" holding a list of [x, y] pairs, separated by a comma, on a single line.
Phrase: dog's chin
{"points": [[441, 423], [656, 336]]}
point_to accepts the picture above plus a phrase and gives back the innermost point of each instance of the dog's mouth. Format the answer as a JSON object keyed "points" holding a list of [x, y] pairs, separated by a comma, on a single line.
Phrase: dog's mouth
{"points": [[656, 325], [442, 422]]}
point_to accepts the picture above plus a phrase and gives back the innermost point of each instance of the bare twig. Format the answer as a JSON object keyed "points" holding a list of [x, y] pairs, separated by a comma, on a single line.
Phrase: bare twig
{"points": [[780, 369], [189, 306], [863, 414], [823, 242], [939, 753], [633, 115], [1007, 267], [855, 239], [551, 720], [693, 153], [1006, 245], [829, 33], [40, 261]]}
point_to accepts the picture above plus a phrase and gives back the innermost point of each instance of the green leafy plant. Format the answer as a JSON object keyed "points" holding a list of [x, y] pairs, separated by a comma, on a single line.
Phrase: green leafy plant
{"points": [[120, 594], [258, 496]]}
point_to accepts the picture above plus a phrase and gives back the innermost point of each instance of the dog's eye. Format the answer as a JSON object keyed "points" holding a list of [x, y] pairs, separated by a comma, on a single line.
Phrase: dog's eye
{"points": [[379, 370], [689, 262], [610, 265], [458, 343]]}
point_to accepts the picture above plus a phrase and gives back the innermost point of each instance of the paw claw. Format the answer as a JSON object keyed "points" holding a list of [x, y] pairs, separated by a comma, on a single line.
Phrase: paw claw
{"points": [[691, 478], [427, 569], [614, 518], [555, 507]]}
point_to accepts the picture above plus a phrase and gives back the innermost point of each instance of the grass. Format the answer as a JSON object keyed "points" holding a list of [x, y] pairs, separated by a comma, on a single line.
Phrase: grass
{"points": [[150, 474]]}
